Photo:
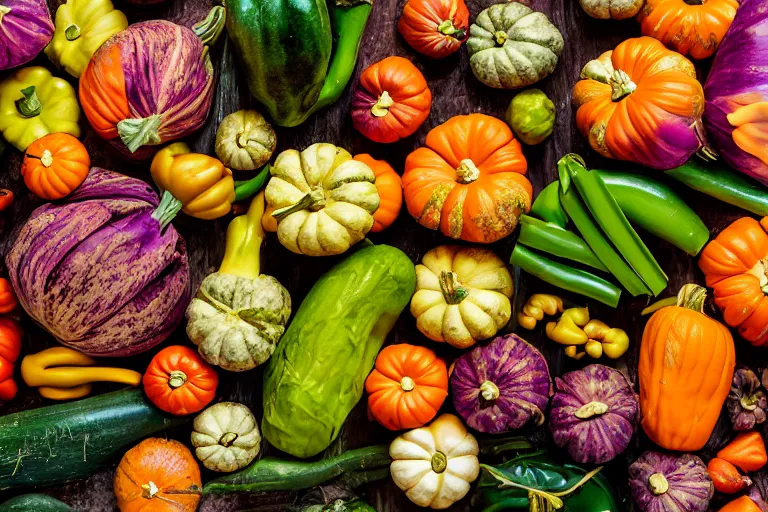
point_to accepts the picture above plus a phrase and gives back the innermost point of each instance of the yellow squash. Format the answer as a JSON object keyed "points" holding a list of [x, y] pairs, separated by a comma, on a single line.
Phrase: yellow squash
{"points": [[82, 26], [34, 103]]}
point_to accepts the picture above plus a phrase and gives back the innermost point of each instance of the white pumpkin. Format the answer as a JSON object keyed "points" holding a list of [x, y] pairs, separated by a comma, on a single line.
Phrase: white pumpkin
{"points": [[612, 9], [462, 295], [226, 437], [435, 464]]}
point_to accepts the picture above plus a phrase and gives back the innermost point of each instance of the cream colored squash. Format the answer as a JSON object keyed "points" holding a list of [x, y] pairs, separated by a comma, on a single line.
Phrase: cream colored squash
{"points": [[245, 140], [226, 437], [612, 9], [462, 295], [435, 464]]}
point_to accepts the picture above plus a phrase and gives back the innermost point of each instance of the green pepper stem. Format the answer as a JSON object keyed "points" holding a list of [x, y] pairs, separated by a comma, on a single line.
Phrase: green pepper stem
{"points": [[249, 188], [29, 104], [137, 132], [167, 209], [72, 32], [210, 28]]}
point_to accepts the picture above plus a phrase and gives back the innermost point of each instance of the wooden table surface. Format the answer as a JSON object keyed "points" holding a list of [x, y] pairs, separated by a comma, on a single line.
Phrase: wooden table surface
{"points": [[455, 91]]}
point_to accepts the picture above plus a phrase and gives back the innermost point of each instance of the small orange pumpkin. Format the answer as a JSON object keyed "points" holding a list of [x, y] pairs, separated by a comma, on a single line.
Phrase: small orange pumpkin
{"points": [[690, 27], [469, 180], [390, 188], [158, 475], [407, 387], [8, 301], [685, 369], [735, 265], [435, 28], [10, 348], [55, 165]]}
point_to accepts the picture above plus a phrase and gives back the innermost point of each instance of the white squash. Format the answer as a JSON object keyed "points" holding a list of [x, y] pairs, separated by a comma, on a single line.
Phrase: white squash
{"points": [[435, 464], [226, 437], [462, 295], [611, 9]]}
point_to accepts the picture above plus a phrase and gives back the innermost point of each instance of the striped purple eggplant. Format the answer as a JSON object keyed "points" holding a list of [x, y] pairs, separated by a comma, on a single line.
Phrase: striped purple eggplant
{"points": [[151, 83], [501, 386], [103, 271], [594, 413], [26, 29]]}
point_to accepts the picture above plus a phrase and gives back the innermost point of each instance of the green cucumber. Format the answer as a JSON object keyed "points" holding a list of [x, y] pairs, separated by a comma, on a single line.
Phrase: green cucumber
{"points": [[34, 503], [64, 442]]}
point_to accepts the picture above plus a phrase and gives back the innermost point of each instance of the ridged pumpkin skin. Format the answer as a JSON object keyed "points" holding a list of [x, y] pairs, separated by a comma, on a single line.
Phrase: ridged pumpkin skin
{"points": [[735, 265], [10, 347], [687, 28], [686, 365], [390, 189], [435, 28], [55, 165], [8, 301]]}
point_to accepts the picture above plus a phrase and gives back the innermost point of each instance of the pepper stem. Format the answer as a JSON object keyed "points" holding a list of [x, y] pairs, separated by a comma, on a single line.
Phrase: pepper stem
{"points": [[149, 490], [591, 409], [500, 37], [467, 171], [453, 292], [439, 462], [210, 28], [381, 108], [621, 84], [447, 28], [29, 104], [137, 132], [167, 209], [227, 439], [658, 484], [407, 384], [314, 201], [176, 379], [489, 391], [72, 32]]}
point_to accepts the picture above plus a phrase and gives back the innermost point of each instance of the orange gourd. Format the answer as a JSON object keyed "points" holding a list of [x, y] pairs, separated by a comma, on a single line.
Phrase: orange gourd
{"points": [[735, 265], [178, 381], [685, 370], [435, 28], [10, 347], [391, 101], [641, 103], [469, 180], [6, 199], [726, 477], [8, 300], [390, 188], [742, 504], [691, 27], [746, 451], [55, 165], [407, 387], [158, 475]]}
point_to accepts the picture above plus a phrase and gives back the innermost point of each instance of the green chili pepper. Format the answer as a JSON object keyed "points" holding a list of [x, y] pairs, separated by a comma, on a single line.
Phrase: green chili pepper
{"points": [[547, 205], [722, 183], [249, 188], [552, 239], [612, 221], [565, 277]]}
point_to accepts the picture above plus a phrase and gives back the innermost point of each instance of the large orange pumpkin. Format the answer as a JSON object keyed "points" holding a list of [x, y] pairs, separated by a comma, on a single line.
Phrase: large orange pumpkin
{"points": [[468, 180], [735, 265], [10, 347], [691, 27], [641, 103], [407, 387], [158, 475], [55, 165], [686, 365], [390, 189]]}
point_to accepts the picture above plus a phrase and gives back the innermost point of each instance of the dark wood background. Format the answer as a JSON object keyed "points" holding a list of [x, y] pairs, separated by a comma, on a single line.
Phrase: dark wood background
{"points": [[455, 91]]}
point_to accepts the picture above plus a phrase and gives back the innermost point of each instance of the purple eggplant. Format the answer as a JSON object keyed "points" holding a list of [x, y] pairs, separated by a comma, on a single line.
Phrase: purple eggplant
{"points": [[26, 29], [103, 271], [663, 482]]}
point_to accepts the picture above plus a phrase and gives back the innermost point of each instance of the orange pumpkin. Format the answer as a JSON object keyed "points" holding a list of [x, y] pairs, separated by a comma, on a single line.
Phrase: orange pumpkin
{"points": [[435, 28], [685, 369], [178, 381], [641, 103], [158, 475], [407, 387], [391, 101], [390, 188], [469, 180], [8, 300], [10, 347], [55, 165], [735, 265], [691, 27]]}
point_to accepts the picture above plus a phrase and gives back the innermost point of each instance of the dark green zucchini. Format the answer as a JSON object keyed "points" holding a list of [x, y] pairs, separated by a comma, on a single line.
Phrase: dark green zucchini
{"points": [[59, 443], [34, 503]]}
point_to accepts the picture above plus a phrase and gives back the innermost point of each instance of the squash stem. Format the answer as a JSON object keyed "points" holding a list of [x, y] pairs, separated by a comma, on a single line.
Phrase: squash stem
{"points": [[227, 439], [453, 292], [382, 105], [167, 209], [210, 28], [658, 484], [621, 84], [692, 296], [72, 32], [137, 132], [489, 391], [29, 104], [500, 37], [407, 384], [467, 171], [176, 379], [314, 201], [245, 234], [439, 462], [447, 28], [590, 410]]}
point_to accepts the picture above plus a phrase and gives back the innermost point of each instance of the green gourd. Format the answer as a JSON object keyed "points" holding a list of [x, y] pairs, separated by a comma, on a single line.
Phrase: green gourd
{"points": [[317, 374]]}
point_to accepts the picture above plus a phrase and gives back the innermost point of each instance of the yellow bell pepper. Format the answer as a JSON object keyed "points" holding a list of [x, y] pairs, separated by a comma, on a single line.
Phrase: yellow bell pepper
{"points": [[62, 373], [538, 305], [34, 103], [82, 26], [574, 329]]}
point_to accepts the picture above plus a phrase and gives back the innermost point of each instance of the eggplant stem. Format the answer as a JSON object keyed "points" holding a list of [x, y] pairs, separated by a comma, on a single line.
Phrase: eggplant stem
{"points": [[137, 132], [210, 28]]}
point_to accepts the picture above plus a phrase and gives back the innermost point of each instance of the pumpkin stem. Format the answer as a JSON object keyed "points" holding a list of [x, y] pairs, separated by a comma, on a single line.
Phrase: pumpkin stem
{"points": [[149, 490], [658, 484], [209, 29], [227, 439], [29, 104], [692, 296], [447, 28], [167, 209], [381, 108], [591, 409], [621, 84], [501, 37], [407, 384], [176, 379], [313, 201], [137, 132], [489, 391], [72, 32], [47, 158], [453, 292], [439, 462], [760, 271], [467, 171]]}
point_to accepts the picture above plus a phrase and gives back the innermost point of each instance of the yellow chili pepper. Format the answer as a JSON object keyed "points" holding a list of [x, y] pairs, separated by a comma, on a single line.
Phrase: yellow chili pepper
{"points": [[585, 336], [538, 305], [568, 328], [245, 234], [613, 342], [61, 373], [573, 352]]}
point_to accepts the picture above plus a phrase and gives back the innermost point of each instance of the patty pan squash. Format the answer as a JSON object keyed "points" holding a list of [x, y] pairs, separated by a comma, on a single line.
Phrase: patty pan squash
{"points": [[239, 315], [462, 295], [226, 437], [320, 201]]}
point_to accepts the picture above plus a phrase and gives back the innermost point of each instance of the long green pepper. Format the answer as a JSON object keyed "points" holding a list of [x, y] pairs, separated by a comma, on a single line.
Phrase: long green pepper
{"points": [[547, 206], [552, 239]]}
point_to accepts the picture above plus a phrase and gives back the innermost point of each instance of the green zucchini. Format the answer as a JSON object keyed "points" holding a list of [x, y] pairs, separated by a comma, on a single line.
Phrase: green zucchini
{"points": [[317, 373], [34, 503], [59, 443]]}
